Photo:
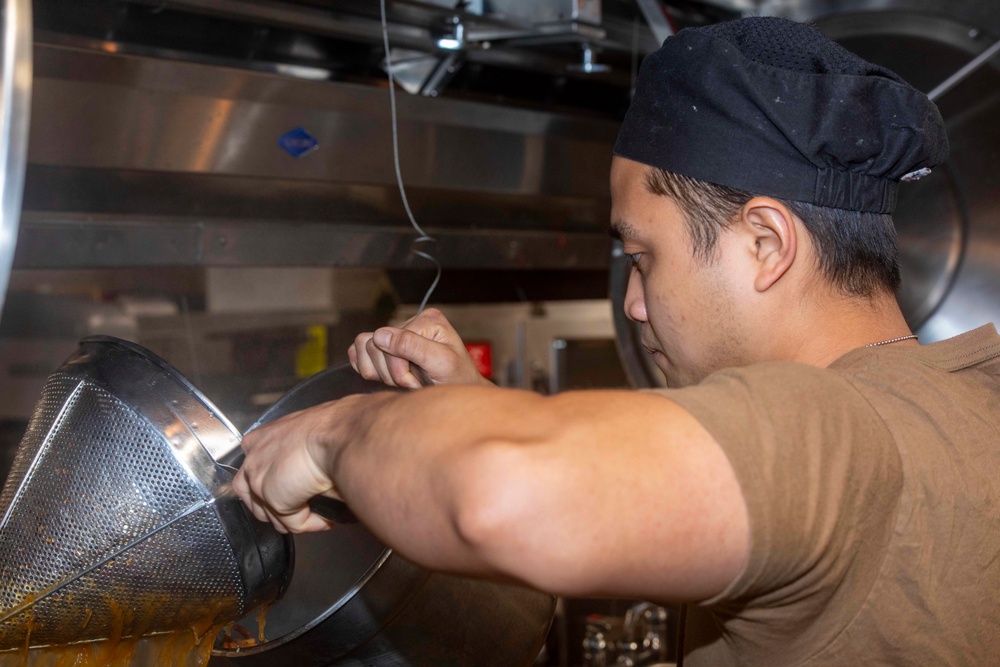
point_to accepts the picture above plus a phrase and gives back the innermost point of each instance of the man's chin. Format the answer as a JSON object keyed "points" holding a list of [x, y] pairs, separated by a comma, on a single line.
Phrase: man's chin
{"points": [[671, 376]]}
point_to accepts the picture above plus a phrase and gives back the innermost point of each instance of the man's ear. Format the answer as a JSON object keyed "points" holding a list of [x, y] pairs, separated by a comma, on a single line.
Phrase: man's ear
{"points": [[770, 225]]}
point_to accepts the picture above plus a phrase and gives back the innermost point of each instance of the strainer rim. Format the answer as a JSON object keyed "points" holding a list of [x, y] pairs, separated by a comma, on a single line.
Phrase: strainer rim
{"points": [[169, 368]]}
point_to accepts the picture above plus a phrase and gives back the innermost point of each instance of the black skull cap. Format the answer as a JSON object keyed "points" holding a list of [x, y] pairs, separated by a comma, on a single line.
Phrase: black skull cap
{"points": [[776, 108]]}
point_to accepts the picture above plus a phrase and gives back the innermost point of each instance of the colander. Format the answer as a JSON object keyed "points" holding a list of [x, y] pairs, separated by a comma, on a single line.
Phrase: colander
{"points": [[116, 519]]}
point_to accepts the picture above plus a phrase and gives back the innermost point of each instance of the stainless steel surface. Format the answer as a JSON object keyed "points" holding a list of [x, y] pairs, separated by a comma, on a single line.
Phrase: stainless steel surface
{"points": [[652, 11], [116, 515], [423, 74], [982, 13], [410, 27], [514, 25], [652, 647], [418, 25], [552, 11], [964, 73], [948, 224], [121, 112], [65, 241], [15, 114], [352, 601], [115, 138]]}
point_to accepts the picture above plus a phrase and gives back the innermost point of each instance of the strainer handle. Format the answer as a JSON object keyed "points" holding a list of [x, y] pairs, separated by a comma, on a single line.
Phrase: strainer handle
{"points": [[332, 509]]}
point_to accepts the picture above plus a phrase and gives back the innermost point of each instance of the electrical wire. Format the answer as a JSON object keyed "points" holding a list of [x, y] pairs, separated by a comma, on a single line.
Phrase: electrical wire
{"points": [[422, 237]]}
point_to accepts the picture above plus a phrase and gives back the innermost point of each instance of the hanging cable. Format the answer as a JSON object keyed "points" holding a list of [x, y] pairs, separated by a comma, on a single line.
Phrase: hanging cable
{"points": [[422, 237]]}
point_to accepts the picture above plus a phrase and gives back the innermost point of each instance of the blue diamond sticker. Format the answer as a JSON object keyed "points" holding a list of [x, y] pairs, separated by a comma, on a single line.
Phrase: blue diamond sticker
{"points": [[298, 142]]}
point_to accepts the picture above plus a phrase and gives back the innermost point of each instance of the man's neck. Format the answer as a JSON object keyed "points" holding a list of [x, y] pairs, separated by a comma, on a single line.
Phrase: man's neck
{"points": [[832, 327]]}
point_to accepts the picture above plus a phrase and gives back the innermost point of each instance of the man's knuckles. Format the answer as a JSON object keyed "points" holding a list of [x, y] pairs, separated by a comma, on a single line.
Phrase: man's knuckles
{"points": [[362, 339], [434, 315], [406, 344]]}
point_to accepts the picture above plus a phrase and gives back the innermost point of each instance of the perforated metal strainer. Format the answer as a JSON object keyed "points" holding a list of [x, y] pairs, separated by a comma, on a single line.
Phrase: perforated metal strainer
{"points": [[116, 519]]}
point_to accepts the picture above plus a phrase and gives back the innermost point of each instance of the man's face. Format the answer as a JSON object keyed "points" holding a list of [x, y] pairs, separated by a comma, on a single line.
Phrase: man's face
{"points": [[686, 306]]}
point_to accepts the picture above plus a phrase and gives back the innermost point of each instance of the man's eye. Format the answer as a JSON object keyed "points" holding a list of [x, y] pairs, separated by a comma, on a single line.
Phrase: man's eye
{"points": [[633, 257]]}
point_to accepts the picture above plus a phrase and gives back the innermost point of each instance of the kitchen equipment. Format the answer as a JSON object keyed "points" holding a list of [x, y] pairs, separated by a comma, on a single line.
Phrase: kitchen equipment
{"points": [[116, 520], [15, 117], [353, 601]]}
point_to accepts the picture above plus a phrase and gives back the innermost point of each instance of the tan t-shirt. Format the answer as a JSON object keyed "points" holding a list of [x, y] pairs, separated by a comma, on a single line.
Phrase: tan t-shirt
{"points": [[873, 490]]}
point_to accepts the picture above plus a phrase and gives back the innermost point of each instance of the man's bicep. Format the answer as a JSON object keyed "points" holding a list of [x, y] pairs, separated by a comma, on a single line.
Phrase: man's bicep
{"points": [[696, 540], [633, 499]]}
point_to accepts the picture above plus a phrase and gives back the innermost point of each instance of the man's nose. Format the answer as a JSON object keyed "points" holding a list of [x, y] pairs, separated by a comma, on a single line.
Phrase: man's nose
{"points": [[635, 302]]}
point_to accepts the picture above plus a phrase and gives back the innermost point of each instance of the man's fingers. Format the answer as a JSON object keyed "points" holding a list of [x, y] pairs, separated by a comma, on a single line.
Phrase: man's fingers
{"points": [[240, 484], [275, 519], [315, 523], [406, 344], [425, 351], [302, 520], [257, 507], [352, 357], [402, 373], [378, 359], [440, 362], [365, 366]]}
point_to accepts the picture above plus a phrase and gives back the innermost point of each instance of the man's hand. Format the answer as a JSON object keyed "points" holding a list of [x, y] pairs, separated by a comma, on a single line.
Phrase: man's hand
{"points": [[425, 351], [291, 460]]}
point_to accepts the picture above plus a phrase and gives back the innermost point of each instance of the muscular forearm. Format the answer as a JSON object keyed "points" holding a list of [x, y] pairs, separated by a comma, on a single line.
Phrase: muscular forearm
{"points": [[418, 468]]}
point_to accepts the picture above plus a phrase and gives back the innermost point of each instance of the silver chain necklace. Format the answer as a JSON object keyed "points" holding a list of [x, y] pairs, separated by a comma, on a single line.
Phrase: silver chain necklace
{"points": [[892, 340]]}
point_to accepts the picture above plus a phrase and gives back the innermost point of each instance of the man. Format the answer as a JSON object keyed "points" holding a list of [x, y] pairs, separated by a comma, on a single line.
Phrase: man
{"points": [[824, 488]]}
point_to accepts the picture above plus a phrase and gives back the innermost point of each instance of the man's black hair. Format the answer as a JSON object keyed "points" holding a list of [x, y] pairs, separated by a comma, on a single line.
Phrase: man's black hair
{"points": [[856, 250]]}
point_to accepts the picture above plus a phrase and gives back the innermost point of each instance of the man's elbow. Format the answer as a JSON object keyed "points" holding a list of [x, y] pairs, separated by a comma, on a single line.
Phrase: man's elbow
{"points": [[493, 506], [482, 501], [504, 518]]}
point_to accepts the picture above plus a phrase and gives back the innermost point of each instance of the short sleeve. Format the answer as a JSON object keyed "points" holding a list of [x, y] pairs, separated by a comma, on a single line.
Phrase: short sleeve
{"points": [[820, 474]]}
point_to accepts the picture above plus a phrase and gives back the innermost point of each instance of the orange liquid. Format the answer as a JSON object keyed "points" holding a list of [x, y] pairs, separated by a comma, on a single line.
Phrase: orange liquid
{"points": [[236, 637], [187, 647]]}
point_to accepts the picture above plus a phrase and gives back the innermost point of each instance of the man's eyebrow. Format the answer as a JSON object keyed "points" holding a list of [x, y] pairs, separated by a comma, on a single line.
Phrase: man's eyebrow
{"points": [[620, 230]]}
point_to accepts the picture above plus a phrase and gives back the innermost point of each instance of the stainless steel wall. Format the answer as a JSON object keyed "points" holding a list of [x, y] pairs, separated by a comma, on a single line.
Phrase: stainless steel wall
{"points": [[948, 226]]}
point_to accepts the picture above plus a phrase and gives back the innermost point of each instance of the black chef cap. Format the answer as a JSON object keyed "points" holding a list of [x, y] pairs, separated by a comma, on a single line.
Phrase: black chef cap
{"points": [[775, 108]]}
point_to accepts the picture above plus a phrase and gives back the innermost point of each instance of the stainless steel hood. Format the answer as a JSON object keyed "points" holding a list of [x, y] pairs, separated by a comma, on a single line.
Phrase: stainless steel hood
{"points": [[145, 161], [157, 132], [157, 129]]}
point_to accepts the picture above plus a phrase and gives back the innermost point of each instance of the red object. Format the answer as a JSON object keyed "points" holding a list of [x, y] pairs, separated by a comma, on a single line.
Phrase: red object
{"points": [[482, 356]]}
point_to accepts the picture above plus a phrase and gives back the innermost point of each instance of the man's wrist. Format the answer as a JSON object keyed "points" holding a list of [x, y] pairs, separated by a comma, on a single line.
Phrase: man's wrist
{"points": [[347, 425]]}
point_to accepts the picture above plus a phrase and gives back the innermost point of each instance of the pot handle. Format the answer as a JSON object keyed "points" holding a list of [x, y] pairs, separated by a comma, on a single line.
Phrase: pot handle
{"points": [[332, 509]]}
